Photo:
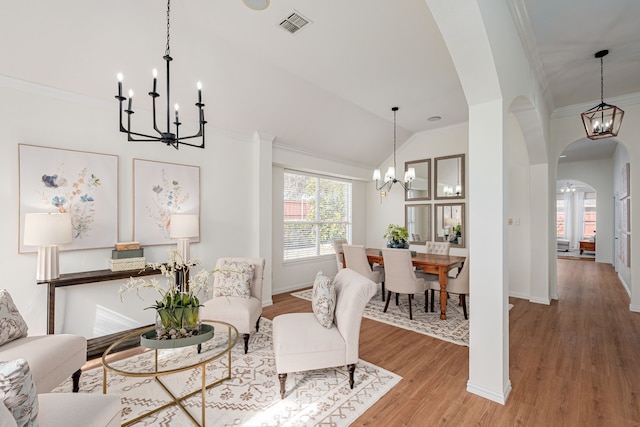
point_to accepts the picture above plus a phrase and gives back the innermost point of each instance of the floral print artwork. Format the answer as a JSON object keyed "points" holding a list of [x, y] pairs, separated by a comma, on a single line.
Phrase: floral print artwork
{"points": [[161, 190], [82, 184], [168, 198], [75, 196]]}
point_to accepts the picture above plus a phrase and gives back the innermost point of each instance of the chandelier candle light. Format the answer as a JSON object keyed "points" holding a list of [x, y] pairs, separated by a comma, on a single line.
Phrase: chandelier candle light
{"points": [[603, 120], [167, 137], [390, 176]]}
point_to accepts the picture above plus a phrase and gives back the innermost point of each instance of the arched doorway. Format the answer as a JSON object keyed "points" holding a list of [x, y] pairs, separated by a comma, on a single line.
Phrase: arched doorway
{"points": [[576, 217]]}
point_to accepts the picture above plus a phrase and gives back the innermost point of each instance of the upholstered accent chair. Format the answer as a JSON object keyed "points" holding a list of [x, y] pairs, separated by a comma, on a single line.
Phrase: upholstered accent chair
{"points": [[400, 276], [455, 285], [242, 313], [301, 343], [337, 247], [356, 259]]}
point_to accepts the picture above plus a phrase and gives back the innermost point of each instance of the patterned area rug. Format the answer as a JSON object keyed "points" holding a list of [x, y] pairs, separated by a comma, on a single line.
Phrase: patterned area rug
{"points": [[252, 396], [455, 329]]}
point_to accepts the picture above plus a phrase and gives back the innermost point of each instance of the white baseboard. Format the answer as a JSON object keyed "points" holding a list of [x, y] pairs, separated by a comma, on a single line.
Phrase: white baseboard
{"points": [[519, 295], [291, 288], [500, 398], [544, 301], [626, 287]]}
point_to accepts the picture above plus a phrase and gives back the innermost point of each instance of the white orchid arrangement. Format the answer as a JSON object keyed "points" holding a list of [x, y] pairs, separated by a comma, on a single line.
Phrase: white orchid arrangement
{"points": [[171, 295]]}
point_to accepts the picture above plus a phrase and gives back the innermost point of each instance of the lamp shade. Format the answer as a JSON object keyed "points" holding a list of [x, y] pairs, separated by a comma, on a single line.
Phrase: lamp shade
{"points": [[47, 229], [184, 226], [450, 222]]}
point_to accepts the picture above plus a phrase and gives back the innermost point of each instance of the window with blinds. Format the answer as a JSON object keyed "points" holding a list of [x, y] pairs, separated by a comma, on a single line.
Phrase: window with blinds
{"points": [[560, 218], [317, 210]]}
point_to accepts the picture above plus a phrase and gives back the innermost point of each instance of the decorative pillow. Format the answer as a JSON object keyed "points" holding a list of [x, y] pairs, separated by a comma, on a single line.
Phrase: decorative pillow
{"points": [[234, 279], [12, 325], [18, 392], [323, 299]]}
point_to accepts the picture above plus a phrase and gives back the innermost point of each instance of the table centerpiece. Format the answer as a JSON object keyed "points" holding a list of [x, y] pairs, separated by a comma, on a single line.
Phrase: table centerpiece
{"points": [[178, 309]]}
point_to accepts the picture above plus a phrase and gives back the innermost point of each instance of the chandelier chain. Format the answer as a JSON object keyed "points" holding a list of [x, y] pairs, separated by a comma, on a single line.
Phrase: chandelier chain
{"points": [[167, 50], [601, 82], [394, 140]]}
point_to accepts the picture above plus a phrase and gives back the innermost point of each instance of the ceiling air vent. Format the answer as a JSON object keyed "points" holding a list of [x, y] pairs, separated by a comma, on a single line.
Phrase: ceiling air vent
{"points": [[294, 22]]}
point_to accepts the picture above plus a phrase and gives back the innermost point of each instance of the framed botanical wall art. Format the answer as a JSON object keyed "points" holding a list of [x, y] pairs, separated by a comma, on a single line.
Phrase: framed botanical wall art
{"points": [[160, 190], [80, 183]]}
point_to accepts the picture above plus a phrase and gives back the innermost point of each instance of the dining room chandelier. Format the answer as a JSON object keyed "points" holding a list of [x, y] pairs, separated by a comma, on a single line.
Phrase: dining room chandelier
{"points": [[603, 120], [167, 137], [390, 176], [568, 188]]}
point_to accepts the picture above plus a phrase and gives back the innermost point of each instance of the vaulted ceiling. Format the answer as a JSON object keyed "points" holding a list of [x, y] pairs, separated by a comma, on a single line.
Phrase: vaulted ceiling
{"points": [[327, 89]]}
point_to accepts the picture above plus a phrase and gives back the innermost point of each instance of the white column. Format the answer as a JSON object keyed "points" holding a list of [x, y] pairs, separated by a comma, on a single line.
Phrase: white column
{"points": [[489, 322], [541, 256]]}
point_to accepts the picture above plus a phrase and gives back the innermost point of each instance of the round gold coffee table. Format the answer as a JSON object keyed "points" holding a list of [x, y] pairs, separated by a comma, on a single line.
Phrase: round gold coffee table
{"points": [[223, 340]]}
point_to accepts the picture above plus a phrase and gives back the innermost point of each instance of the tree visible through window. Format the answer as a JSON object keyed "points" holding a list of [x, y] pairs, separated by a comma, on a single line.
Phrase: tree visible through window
{"points": [[316, 211]]}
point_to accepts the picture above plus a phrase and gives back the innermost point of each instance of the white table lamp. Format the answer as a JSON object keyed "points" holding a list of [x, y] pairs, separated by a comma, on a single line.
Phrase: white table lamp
{"points": [[184, 227], [47, 231]]}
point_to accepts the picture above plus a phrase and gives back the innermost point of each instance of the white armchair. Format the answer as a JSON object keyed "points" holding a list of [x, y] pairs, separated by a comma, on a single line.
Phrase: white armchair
{"points": [[242, 313], [301, 343]]}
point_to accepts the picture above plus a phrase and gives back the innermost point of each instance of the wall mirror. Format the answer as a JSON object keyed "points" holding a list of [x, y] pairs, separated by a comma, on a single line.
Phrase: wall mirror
{"points": [[449, 176], [421, 184], [450, 225], [417, 219]]}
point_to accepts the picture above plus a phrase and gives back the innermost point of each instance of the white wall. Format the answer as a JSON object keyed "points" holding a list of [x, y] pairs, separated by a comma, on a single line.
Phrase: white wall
{"points": [[291, 275], [36, 115], [518, 213], [382, 211], [599, 175]]}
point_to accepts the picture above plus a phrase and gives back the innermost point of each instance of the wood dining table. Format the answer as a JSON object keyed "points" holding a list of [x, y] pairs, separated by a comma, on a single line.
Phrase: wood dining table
{"points": [[430, 263]]}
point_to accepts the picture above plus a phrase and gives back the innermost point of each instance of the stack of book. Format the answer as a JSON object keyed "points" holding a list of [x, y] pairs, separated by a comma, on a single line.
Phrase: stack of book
{"points": [[127, 256]]}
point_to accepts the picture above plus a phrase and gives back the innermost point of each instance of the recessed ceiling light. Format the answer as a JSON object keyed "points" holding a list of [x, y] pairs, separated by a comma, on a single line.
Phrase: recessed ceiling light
{"points": [[434, 118], [256, 4], [562, 156]]}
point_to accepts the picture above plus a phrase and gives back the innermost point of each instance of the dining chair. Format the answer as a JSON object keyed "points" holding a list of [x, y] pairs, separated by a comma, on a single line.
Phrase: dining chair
{"points": [[455, 285], [438, 248], [400, 276], [337, 247], [356, 259]]}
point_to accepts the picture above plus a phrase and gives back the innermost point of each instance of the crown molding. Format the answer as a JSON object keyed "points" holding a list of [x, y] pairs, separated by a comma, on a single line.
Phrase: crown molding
{"points": [[522, 23], [577, 109]]}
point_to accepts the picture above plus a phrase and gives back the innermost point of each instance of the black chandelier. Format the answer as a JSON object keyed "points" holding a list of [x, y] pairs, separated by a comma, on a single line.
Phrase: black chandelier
{"points": [[167, 137], [603, 120], [390, 176]]}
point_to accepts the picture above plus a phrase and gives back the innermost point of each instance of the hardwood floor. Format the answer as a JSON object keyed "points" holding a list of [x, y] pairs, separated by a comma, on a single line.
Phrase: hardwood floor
{"points": [[573, 363]]}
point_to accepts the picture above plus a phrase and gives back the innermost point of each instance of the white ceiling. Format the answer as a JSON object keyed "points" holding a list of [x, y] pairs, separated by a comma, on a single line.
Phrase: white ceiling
{"points": [[327, 89]]}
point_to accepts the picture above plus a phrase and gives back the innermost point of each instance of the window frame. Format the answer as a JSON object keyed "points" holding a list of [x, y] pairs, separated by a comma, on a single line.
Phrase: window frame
{"points": [[317, 223]]}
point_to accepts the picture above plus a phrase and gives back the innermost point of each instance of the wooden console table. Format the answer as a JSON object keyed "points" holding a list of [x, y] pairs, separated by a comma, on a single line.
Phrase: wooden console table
{"points": [[95, 346], [587, 245]]}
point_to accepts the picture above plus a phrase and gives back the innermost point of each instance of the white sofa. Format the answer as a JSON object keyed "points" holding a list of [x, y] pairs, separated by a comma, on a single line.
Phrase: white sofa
{"points": [[20, 405], [563, 245], [52, 358], [32, 366]]}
